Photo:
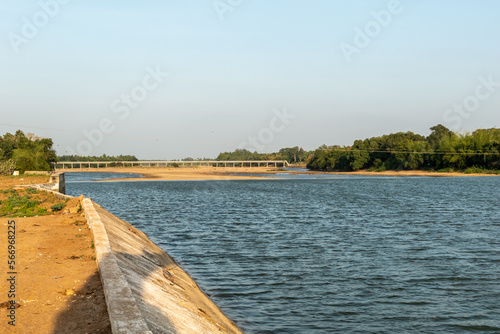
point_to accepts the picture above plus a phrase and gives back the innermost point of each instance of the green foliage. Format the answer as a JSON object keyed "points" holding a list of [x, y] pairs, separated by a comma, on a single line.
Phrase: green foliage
{"points": [[16, 205], [41, 210], [175, 164], [474, 170], [292, 155], [7, 167], [239, 155], [57, 207], [441, 150], [439, 133], [25, 152], [480, 170]]}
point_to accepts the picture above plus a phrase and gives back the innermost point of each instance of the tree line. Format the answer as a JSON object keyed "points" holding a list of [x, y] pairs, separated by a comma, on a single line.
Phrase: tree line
{"points": [[442, 150], [291, 154], [25, 152]]}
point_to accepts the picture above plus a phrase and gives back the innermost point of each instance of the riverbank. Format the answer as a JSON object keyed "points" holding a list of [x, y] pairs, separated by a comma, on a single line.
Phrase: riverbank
{"points": [[400, 173], [214, 173], [58, 287]]}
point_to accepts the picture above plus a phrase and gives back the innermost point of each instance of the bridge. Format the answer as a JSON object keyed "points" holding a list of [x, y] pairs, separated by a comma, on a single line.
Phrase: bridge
{"points": [[163, 163]]}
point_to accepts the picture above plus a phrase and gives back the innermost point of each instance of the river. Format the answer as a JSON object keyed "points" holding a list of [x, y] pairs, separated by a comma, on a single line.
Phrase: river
{"points": [[346, 254]]}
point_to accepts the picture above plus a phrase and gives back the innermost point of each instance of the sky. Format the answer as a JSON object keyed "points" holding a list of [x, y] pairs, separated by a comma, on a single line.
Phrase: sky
{"points": [[170, 79]]}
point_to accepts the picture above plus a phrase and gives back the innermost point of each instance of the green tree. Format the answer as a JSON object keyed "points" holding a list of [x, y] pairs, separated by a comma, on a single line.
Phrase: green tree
{"points": [[407, 150], [293, 154], [27, 152]]}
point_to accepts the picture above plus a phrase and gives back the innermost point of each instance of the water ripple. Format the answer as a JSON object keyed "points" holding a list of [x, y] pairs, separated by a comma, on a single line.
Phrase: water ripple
{"points": [[342, 255]]}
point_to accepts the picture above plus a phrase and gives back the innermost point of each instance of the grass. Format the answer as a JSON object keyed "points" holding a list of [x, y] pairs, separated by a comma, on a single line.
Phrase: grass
{"points": [[17, 205], [27, 203]]}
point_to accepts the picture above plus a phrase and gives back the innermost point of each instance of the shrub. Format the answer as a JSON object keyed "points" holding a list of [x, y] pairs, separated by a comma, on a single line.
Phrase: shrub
{"points": [[41, 210], [57, 207], [474, 170], [7, 167]]}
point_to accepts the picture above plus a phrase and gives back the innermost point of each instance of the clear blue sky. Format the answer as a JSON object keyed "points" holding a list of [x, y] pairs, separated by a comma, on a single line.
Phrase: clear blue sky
{"points": [[225, 77]]}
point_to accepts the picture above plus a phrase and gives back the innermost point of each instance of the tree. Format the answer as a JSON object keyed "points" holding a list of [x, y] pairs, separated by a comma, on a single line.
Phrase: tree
{"points": [[439, 132], [27, 153], [407, 150], [293, 154]]}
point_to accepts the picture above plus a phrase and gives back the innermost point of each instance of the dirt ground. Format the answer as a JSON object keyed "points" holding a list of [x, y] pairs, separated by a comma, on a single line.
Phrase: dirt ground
{"points": [[57, 285]]}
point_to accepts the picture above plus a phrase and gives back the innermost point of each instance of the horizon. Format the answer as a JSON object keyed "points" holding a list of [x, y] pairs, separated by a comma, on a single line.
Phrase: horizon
{"points": [[168, 80]]}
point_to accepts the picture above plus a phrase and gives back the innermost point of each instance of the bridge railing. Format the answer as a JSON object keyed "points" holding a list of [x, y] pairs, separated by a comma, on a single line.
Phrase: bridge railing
{"points": [[163, 163]]}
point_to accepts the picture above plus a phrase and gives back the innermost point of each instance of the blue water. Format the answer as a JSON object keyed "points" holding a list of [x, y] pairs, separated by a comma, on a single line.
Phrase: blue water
{"points": [[337, 255]]}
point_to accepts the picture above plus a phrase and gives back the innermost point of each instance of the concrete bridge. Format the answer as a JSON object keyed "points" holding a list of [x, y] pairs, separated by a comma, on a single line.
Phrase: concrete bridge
{"points": [[163, 163]]}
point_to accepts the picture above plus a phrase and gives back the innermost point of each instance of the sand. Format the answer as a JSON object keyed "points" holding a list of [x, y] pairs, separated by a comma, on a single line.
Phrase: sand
{"points": [[221, 173], [183, 173]]}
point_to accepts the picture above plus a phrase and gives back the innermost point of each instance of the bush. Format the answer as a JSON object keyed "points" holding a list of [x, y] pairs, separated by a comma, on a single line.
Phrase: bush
{"points": [[478, 170], [7, 167], [474, 170], [41, 210], [175, 164], [57, 207]]}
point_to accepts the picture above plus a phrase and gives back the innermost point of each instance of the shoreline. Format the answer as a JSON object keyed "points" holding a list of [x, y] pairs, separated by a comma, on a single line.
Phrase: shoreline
{"points": [[220, 173], [402, 173]]}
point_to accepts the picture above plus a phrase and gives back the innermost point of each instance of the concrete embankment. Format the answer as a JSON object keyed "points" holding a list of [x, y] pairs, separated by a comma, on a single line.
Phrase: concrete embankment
{"points": [[57, 181], [145, 288]]}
